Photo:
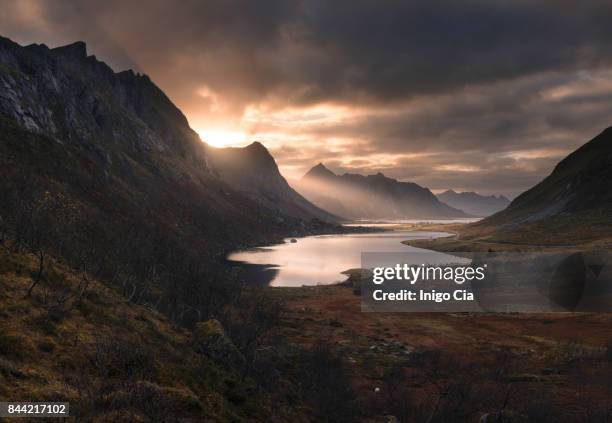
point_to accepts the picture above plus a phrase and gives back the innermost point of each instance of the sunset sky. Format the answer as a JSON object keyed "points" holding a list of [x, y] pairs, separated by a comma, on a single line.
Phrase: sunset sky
{"points": [[470, 95]]}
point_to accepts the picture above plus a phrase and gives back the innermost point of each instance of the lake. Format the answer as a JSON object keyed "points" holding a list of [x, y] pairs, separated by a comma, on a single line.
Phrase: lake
{"points": [[319, 260]]}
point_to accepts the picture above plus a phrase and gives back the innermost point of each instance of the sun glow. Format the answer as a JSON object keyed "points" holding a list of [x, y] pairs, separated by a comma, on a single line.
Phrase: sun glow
{"points": [[223, 138]]}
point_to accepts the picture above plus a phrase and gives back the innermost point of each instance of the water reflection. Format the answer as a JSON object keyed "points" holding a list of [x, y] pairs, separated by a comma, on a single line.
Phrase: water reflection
{"points": [[319, 260]]}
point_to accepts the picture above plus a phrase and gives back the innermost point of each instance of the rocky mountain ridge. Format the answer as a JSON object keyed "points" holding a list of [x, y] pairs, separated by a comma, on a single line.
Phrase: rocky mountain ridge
{"points": [[114, 142], [372, 196], [65, 94]]}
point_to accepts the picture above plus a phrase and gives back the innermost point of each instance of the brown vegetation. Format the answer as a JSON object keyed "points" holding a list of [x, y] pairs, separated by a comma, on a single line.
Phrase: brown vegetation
{"points": [[440, 367]]}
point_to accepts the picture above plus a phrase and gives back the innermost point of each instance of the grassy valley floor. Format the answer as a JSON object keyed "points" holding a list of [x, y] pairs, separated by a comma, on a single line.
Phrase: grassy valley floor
{"points": [[459, 367], [559, 364], [462, 241]]}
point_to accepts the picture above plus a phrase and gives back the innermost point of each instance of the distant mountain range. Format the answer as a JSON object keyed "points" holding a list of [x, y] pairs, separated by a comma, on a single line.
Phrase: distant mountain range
{"points": [[372, 197], [572, 205], [113, 144], [473, 203]]}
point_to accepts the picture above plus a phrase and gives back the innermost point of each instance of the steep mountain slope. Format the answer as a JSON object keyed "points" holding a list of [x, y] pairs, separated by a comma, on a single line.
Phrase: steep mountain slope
{"points": [[116, 144], [573, 204], [474, 203], [115, 220], [372, 196], [252, 170]]}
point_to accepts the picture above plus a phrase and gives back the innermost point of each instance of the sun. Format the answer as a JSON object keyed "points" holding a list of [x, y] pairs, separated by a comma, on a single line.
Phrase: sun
{"points": [[223, 138]]}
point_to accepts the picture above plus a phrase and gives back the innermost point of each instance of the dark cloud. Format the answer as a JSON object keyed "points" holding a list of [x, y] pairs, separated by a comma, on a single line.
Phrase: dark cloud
{"points": [[422, 78], [337, 50], [535, 112]]}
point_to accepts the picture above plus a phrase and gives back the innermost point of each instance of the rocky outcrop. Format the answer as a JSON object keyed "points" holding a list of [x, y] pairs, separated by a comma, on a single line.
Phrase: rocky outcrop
{"points": [[72, 97]]}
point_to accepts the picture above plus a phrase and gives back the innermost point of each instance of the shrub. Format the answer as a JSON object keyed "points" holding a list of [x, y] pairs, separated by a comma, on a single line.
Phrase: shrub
{"points": [[46, 345], [123, 360], [9, 369], [14, 345], [327, 386], [157, 403]]}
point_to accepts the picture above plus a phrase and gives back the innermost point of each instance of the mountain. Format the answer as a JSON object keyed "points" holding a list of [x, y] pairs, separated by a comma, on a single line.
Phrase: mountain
{"points": [[115, 220], [473, 203], [253, 171], [372, 196], [571, 205], [114, 144]]}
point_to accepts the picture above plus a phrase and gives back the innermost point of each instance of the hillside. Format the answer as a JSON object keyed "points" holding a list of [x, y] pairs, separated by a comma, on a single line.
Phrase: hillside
{"points": [[571, 205], [473, 203], [101, 170], [75, 339], [110, 359], [115, 219], [116, 143], [373, 196]]}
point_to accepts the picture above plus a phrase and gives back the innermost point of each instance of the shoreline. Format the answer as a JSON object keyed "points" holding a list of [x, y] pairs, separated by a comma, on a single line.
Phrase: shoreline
{"points": [[453, 243], [263, 274], [540, 348]]}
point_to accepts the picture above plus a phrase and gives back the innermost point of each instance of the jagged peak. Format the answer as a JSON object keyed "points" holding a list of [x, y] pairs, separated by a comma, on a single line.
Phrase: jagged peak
{"points": [[321, 167], [10, 44], [256, 145], [129, 73], [257, 149], [76, 50], [135, 94], [319, 171]]}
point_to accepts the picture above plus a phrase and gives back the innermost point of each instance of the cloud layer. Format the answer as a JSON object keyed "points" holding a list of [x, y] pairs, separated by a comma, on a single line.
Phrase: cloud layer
{"points": [[467, 95]]}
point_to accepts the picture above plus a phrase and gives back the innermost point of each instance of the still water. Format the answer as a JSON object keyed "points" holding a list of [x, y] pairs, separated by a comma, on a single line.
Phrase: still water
{"points": [[319, 260]]}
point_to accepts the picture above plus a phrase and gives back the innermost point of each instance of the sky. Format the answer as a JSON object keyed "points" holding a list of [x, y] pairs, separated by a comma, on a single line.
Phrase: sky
{"points": [[481, 95]]}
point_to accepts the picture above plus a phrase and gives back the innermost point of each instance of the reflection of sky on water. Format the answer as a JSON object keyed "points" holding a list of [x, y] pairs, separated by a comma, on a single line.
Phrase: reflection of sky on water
{"points": [[320, 259]]}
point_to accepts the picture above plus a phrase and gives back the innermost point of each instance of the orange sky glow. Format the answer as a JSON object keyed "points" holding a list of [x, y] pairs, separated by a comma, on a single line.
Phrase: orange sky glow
{"points": [[493, 117]]}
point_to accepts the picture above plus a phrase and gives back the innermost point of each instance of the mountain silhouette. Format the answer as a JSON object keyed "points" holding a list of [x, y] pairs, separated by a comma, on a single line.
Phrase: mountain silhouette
{"points": [[372, 196], [474, 203], [114, 144]]}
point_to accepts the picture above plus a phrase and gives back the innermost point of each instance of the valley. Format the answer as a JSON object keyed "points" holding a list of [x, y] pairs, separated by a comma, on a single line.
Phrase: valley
{"points": [[118, 295]]}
